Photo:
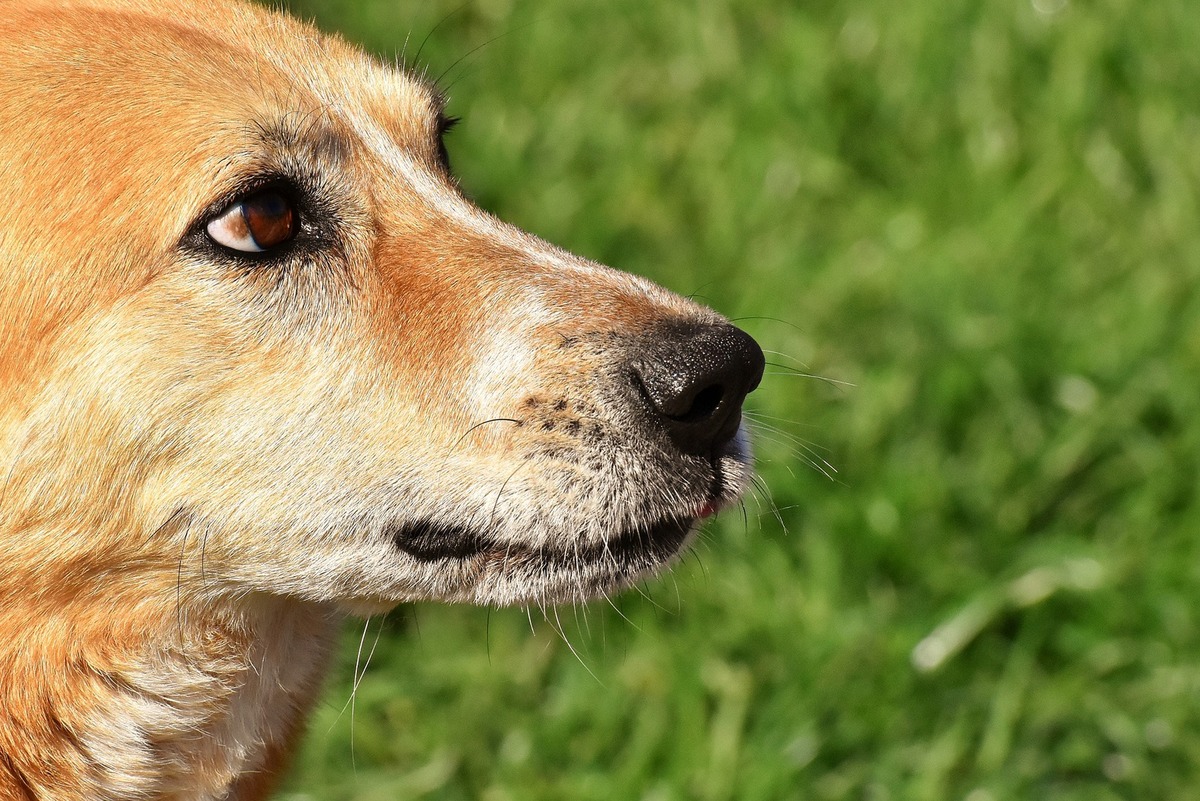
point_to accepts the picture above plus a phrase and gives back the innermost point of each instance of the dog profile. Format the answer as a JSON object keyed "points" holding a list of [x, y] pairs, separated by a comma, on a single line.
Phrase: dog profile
{"points": [[263, 365]]}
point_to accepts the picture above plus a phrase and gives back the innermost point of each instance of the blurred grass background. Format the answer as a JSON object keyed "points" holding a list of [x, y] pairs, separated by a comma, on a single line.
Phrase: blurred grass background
{"points": [[983, 217]]}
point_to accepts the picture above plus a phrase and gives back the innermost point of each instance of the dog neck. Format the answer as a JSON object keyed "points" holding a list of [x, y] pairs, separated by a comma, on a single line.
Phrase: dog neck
{"points": [[166, 704]]}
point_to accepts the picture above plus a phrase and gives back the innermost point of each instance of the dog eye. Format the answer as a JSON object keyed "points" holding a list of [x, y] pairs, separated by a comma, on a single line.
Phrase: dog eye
{"points": [[445, 126], [255, 223]]}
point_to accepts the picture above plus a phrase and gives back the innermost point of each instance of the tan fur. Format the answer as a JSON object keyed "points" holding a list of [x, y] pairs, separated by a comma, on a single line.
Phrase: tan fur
{"points": [[200, 461]]}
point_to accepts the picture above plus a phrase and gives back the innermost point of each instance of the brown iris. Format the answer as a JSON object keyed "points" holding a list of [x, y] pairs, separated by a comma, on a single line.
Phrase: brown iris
{"points": [[257, 223], [269, 219]]}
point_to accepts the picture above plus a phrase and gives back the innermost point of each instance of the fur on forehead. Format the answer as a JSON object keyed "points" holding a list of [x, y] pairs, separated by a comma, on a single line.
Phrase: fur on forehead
{"points": [[294, 47]]}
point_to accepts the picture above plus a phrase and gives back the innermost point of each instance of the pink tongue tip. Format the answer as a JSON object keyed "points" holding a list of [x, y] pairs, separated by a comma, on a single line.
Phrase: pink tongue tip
{"points": [[709, 509]]}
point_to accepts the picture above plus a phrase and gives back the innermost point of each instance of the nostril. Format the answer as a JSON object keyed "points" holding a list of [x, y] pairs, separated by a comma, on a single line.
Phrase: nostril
{"points": [[693, 379], [704, 405], [675, 400]]}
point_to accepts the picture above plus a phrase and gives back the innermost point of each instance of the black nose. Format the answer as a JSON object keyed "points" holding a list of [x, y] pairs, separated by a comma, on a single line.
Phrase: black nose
{"points": [[694, 378]]}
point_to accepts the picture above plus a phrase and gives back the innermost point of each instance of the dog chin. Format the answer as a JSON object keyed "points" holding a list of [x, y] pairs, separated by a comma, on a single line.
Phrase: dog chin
{"points": [[463, 561], [489, 570]]}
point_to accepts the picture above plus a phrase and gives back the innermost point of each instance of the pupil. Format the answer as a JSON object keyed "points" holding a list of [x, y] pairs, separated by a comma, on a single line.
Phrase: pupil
{"points": [[270, 219]]}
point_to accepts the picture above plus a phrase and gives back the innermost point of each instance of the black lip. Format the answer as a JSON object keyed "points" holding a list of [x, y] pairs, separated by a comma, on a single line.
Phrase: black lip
{"points": [[429, 541]]}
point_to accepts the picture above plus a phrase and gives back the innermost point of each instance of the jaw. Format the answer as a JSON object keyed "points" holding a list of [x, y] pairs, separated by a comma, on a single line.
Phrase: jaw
{"points": [[461, 563], [489, 571], [545, 555]]}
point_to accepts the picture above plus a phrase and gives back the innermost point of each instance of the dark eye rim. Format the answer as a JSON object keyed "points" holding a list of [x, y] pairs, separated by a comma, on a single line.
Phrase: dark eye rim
{"points": [[445, 124], [199, 239]]}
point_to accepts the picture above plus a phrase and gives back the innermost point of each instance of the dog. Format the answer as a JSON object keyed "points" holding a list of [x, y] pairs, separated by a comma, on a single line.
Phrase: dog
{"points": [[263, 366]]}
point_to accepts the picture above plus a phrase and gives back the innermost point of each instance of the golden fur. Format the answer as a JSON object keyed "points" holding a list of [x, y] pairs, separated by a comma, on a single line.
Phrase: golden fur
{"points": [[206, 461]]}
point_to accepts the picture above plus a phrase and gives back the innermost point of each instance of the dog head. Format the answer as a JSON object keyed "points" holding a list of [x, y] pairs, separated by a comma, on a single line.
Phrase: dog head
{"points": [[254, 339]]}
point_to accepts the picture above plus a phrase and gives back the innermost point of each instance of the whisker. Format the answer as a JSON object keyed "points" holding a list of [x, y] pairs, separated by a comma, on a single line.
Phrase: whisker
{"points": [[798, 446], [203, 553], [637, 587], [694, 553], [353, 701], [587, 623], [556, 625], [769, 319], [466, 72], [762, 486], [398, 62], [783, 355], [621, 614], [179, 585], [428, 36], [487, 634], [758, 414], [356, 679], [798, 450], [484, 423], [788, 370], [477, 48], [815, 460], [500, 493]]}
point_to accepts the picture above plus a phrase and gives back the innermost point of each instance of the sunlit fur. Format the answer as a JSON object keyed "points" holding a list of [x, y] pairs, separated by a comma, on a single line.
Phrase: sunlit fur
{"points": [[204, 461]]}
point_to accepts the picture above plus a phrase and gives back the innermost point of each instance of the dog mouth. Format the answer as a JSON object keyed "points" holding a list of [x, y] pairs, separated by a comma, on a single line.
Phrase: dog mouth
{"points": [[569, 562], [638, 548]]}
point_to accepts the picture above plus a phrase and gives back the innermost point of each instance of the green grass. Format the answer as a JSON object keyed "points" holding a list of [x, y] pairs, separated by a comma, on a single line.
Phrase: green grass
{"points": [[983, 217]]}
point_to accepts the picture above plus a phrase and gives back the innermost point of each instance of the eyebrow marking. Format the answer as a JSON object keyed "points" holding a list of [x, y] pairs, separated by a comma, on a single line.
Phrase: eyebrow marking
{"points": [[308, 135]]}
